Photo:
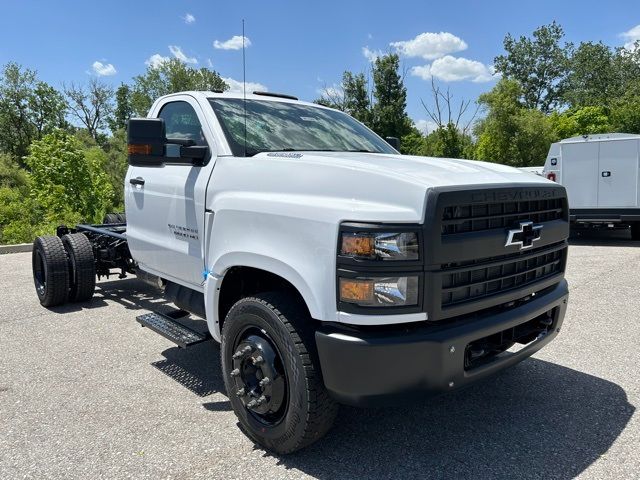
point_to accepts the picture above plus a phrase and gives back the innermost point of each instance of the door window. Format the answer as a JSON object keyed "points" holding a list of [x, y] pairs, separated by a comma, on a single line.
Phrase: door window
{"points": [[181, 122]]}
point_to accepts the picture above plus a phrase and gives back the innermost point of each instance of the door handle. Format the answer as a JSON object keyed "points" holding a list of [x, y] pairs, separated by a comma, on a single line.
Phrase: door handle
{"points": [[606, 173], [136, 181]]}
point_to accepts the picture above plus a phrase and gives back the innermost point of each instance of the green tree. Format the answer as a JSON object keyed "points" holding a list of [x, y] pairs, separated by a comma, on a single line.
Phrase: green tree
{"points": [[582, 121], [592, 79], [29, 109], [123, 110], [169, 77], [115, 165], [389, 117], [351, 97], [66, 181], [510, 133], [625, 114], [540, 64]]}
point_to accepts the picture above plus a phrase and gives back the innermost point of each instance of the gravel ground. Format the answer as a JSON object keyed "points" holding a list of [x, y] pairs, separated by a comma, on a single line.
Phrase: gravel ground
{"points": [[85, 392]]}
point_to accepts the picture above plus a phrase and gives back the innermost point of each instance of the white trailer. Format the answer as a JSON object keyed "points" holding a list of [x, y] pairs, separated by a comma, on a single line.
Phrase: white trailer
{"points": [[601, 175]]}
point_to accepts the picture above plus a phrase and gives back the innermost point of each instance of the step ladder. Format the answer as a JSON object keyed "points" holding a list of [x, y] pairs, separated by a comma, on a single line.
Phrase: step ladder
{"points": [[168, 326]]}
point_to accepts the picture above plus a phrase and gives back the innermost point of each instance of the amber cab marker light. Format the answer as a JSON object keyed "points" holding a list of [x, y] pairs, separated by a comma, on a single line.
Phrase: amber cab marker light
{"points": [[352, 290], [139, 149]]}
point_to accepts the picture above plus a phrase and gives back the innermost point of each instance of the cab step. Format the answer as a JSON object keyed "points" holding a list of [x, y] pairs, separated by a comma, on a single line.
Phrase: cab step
{"points": [[171, 329]]}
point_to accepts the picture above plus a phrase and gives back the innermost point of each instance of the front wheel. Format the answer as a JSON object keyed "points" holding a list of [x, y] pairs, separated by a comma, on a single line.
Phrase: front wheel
{"points": [[270, 375]]}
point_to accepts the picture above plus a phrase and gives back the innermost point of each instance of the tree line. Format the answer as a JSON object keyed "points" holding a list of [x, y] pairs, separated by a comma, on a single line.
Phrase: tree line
{"points": [[548, 89], [63, 151]]}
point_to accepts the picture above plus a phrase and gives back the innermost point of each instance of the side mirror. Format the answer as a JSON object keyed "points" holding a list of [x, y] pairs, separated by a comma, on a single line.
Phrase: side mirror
{"points": [[145, 141], [394, 142], [148, 145]]}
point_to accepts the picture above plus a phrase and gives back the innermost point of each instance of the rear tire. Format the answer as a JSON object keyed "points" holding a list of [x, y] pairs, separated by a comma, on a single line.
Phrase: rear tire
{"points": [[297, 409], [110, 218], [82, 267], [50, 271], [635, 231]]}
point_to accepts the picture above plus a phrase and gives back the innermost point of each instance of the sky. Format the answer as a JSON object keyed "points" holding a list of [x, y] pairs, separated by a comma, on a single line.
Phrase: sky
{"points": [[295, 47]]}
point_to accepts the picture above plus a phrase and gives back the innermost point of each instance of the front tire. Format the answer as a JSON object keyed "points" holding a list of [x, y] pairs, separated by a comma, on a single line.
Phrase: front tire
{"points": [[269, 336], [50, 271]]}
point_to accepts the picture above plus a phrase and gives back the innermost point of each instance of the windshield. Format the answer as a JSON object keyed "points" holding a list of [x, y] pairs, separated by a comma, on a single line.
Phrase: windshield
{"points": [[281, 126]]}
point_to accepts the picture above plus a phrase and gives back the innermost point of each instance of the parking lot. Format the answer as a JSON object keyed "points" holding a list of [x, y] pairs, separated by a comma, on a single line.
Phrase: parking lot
{"points": [[85, 392]]}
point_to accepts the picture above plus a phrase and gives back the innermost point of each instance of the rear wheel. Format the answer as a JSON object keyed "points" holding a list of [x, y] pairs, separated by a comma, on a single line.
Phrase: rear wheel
{"points": [[635, 231], [81, 265], [110, 218], [50, 271], [270, 374]]}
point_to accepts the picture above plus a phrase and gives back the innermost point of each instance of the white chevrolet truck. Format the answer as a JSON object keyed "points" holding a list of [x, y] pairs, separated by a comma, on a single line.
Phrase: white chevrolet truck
{"points": [[332, 269]]}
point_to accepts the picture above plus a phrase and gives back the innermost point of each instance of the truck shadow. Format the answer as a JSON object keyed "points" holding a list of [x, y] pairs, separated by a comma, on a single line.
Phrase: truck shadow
{"points": [[537, 419], [602, 238]]}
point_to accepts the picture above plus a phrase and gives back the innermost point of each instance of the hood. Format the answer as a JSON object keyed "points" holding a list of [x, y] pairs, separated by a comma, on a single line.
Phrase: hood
{"points": [[354, 186], [423, 171]]}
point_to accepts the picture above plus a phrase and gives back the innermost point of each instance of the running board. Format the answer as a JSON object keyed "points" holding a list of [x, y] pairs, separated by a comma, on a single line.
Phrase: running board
{"points": [[171, 329]]}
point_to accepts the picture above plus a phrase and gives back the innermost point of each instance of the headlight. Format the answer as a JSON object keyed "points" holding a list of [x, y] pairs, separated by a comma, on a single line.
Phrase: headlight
{"points": [[380, 245], [380, 292]]}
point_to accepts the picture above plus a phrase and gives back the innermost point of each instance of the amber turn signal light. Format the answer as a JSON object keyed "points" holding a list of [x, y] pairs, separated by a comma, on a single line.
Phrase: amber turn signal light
{"points": [[144, 149], [356, 291]]}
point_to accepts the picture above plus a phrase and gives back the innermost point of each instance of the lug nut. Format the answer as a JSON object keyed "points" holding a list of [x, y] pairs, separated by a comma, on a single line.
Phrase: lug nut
{"points": [[241, 392], [452, 349], [241, 353], [235, 372], [264, 382], [261, 400], [252, 404], [258, 360]]}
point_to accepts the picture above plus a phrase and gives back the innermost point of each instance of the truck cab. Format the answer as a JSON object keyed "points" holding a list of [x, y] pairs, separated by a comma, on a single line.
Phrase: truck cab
{"points": [[332, 269]]}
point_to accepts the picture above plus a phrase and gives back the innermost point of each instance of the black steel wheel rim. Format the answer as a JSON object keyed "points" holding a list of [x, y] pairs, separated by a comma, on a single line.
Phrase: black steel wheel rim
{"points": [[39, 273], [259, 377]]}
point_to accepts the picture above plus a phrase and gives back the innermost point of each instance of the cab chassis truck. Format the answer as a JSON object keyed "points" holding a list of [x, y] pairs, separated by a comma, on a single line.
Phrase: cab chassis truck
{"points": [[332, 269]]}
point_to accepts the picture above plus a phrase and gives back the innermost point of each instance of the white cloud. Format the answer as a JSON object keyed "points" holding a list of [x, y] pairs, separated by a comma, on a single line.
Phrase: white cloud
{"points": [[236, 86], [430, 45], [631, 36], [452, 69], [155, 60], [234, 43], [209, 63], [371, 55], [426, 126], [180, 55], [103, 69], [188, 18]]}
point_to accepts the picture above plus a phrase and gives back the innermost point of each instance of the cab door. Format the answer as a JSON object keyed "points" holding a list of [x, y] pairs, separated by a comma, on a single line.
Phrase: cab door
{"points": [[165, 203]]}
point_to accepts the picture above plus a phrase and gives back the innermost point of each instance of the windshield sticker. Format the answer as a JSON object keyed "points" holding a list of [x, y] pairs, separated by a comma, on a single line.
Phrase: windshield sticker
{"points": [[284, 154]]}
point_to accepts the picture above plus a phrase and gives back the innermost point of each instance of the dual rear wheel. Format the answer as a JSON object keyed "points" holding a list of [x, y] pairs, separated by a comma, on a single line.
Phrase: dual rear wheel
{"points": [[63, 269]]}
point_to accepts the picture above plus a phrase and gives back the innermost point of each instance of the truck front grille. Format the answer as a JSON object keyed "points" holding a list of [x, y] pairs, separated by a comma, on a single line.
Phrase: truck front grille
{"points": [[469, 281], [485, 216]]}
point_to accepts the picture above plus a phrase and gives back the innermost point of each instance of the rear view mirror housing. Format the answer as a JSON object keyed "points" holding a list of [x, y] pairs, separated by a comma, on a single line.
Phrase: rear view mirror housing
{"points": [[147, 145], [394, 142]]}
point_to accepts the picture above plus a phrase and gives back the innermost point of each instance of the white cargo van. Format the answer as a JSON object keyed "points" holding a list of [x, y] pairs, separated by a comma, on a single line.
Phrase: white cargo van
{"points": [[600, 173]]}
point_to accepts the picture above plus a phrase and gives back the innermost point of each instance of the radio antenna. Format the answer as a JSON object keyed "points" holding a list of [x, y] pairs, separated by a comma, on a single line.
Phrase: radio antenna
{"points": [[244, 90]]}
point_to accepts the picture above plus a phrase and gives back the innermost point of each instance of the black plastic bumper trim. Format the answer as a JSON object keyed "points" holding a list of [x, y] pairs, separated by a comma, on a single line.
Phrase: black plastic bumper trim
{"points": [[364, 368]]}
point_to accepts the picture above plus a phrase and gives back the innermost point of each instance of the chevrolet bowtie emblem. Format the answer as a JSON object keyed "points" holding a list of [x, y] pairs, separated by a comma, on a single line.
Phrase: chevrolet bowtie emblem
{"points": [[524, 236]]}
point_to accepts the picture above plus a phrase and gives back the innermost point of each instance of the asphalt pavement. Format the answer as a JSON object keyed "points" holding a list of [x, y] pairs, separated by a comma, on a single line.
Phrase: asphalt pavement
{"points": [[85, 392]]}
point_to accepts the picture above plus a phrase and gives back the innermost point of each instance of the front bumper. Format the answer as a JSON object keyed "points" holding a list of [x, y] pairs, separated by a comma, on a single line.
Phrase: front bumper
{"points": [[375, 367]]}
